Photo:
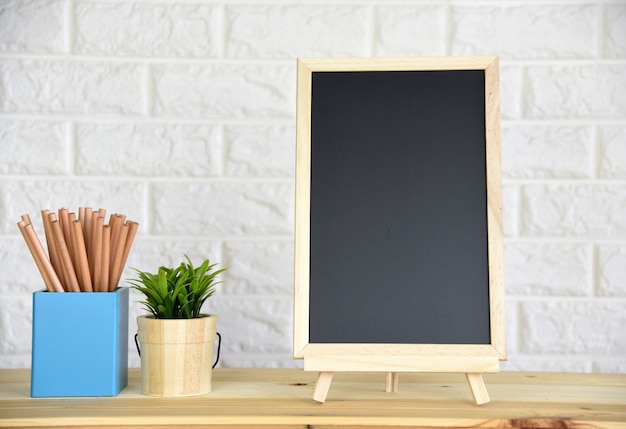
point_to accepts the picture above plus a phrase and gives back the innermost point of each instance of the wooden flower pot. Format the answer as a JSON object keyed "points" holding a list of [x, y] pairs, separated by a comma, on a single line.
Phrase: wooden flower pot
{"points": [[176, 355]]}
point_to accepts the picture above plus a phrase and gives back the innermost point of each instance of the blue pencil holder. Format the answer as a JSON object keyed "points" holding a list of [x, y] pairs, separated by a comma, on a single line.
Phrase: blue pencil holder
{"points": [[80, 343]]}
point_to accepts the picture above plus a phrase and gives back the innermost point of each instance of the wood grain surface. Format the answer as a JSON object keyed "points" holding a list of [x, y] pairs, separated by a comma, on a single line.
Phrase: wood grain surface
{"points": [[253, 398]]}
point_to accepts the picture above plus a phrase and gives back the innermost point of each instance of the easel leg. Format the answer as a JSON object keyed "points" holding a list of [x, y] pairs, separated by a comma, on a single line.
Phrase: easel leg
{"points": [[391, 382], [477, 387], [323, 384]]}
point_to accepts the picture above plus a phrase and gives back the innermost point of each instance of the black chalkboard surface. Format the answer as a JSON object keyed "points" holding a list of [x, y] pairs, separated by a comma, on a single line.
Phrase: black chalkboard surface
{"points": [[398, 215], [398, 208]]}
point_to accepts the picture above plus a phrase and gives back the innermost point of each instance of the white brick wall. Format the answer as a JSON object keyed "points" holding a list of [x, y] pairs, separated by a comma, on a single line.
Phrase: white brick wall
{"points": [[181, 116]]}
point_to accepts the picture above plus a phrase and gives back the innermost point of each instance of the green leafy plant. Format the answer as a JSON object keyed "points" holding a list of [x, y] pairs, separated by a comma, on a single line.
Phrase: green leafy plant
{"points": [[177, 293]]}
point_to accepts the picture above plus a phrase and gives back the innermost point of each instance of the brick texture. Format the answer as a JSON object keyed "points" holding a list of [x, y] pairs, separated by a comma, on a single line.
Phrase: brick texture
{"points": [[181, 115]]}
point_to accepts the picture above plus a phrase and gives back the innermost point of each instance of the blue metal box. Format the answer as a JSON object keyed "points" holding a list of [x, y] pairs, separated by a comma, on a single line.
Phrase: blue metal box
{"points": [[80, 343]]}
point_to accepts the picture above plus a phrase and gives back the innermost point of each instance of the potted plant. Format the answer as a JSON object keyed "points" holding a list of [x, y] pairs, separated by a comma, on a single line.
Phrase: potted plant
{"points": [[176, 340]]}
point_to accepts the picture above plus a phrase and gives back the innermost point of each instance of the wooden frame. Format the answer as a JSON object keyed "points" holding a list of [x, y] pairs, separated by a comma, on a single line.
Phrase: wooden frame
{"points": [[465, 358]]}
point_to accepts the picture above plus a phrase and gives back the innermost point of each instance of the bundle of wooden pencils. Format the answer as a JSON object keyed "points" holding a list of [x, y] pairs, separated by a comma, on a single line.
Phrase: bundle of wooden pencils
{"points": [[85, 253]]}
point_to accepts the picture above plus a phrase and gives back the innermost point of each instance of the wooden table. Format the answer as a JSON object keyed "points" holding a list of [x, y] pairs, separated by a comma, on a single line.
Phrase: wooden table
{"points": [[283, 398]]}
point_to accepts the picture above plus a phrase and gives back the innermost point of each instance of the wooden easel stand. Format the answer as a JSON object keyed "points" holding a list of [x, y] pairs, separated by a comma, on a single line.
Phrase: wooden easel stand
{"points": [[475, 381]]}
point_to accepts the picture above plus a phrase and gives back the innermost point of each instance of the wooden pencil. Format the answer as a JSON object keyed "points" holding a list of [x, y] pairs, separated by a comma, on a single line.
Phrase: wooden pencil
{"points": [[66, 261], [132, 231], [55, 258], [118, 253], [84, 253], [87, 222], [95, 258], [106, 254], [65, 227], [115, 221], [80, 254], [71, 217], [51, 280]]}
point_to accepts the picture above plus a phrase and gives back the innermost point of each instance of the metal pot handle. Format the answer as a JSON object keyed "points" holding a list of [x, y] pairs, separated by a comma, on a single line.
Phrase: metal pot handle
{"points": [[219, 346], [137, 344]]}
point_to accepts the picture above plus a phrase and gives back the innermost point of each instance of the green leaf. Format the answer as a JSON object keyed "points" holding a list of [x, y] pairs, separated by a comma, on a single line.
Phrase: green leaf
{"points": [[177, 292]]}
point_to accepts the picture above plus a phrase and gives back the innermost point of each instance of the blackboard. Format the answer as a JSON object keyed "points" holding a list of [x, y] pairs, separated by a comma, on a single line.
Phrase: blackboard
{"points": [[398, 214]]}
